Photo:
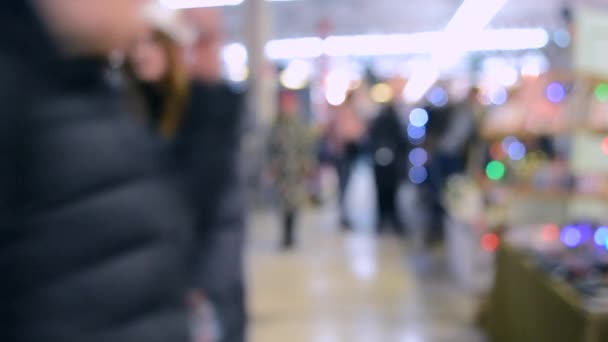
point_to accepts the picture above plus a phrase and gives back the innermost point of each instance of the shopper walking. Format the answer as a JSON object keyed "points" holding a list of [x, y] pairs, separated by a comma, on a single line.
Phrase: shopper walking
{"points": [[345, 134], [389, 146], [209, 149], [92, 234], [291, 160]]}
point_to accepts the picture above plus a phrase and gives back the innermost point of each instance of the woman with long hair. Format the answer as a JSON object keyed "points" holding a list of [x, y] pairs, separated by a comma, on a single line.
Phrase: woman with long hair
{"points": [[156, 65]]}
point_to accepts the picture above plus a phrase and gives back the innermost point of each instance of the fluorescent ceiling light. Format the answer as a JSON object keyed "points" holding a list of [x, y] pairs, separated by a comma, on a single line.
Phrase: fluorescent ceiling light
{"points": [[298, 48], [401, 44], [176, 4]]}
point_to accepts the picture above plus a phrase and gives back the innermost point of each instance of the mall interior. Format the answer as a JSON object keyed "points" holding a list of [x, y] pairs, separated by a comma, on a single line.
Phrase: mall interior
{"points": [[304, 171]]}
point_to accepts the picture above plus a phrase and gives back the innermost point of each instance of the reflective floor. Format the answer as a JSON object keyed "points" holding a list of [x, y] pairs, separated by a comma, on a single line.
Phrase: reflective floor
{"points": [[351, 287]]}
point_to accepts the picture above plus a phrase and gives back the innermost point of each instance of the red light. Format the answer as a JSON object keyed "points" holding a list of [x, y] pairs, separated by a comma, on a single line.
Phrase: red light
{"points": [[605, 145], [497, 152], [551, 232], [490, 242]]}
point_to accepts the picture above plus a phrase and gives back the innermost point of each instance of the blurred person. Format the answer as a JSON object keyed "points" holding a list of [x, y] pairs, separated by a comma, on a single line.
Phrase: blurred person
{"points": [[160, 95], [156, 64], [345, 135], [452, 131], [93, 233], [389, 147], [291, 156], [209, 149]]}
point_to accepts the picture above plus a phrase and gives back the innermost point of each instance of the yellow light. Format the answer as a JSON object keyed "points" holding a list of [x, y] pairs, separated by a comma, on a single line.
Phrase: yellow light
{"points": [[382, 93]]}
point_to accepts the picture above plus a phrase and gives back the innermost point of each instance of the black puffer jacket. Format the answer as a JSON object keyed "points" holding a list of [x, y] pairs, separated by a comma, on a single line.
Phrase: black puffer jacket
{"points": [[91, 235]]}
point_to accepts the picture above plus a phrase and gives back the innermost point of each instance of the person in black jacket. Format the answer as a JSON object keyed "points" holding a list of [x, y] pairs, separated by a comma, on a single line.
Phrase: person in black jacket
{"points": [[389, 146], [92, 234], [209, 149]]}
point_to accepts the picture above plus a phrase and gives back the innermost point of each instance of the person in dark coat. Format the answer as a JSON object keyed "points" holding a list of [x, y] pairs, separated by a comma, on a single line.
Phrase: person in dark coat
{"points": [[389, 146], [209, 149], [92, 233]]}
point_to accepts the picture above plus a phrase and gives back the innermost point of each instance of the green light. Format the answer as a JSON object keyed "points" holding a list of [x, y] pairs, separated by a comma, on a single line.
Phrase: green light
{"points": [[495, 170], [601, 92]]}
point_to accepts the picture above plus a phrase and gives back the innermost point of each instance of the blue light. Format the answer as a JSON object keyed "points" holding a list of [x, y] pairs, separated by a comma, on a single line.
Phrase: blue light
{"points": [[556, 92], [418, 156], [601, 236], [517, 151], [418, 174], [571, 236], [438, 97], [562, 38], [419, 117], [499, 97], [507, 142], [415, 132]]}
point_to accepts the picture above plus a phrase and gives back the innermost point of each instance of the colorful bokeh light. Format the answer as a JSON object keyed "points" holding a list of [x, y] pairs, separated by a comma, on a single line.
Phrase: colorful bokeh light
{"points": [[495, 170], [601, 236], [601, 92], [418, 156], [419, 117], [517, 151], [551, 232], [571, 236], [605, 145], [490, 242], [418, 174], [556, 92]]}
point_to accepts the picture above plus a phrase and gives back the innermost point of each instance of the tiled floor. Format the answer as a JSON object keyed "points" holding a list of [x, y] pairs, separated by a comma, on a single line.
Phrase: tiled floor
{"points": [[352, 287]]}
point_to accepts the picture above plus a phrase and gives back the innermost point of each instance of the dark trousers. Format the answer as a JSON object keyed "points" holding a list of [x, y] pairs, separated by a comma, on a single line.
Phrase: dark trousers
{"points": [[387, 187], [289, 223], [224, 284], [344, 167]]}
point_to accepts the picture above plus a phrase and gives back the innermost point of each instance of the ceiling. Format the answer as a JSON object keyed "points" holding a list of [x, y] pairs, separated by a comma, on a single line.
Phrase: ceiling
{"points": [[346, 17]]}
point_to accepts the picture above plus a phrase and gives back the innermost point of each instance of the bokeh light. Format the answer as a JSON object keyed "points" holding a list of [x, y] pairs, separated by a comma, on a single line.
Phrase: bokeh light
{"points": [[497, 151], [415, 132], [438, 97], [601, 236], [556, 92], [418, 174], [419, 117], [490, 242], [495, 170], [601, 92], [605, 145], [551, 232], [382, 93], [571, 236], [418, 156], [296, 75], [499, 96], [517, 151], [562, 38]]}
